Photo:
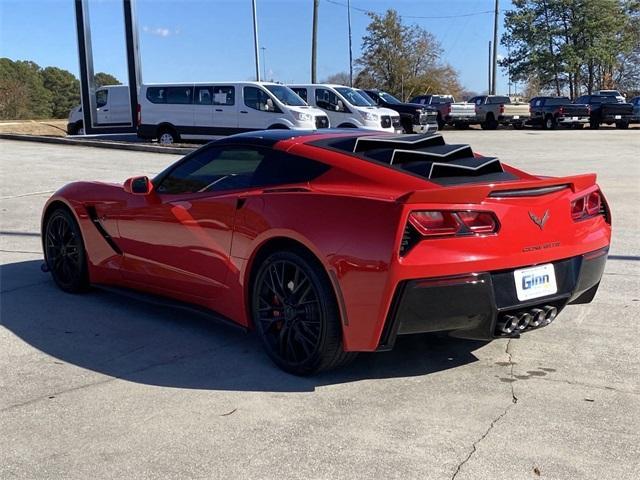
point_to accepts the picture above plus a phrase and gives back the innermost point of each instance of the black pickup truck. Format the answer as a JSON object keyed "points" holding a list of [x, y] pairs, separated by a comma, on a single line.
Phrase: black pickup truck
{"points": [[415, 118], [549, 112], [606, 109]]}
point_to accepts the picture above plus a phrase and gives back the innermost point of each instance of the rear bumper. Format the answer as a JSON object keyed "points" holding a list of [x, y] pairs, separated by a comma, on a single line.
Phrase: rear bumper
{"points": [[511, 119], [572, 120], [472, 305]]}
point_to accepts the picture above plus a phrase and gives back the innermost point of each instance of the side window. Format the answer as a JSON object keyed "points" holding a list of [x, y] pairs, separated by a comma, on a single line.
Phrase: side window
{"points": [[224, 95], [213, 169], [539, 103], [180, 95], [279, 168], [421, 100], [479, 101], [301, 92], [258, 99], [157, 94], [203, 96], [102, 97], [327, 100]]}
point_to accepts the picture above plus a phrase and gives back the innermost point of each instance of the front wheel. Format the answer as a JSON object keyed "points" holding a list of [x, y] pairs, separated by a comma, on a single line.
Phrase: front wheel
{"points": [[64, 252], [550, 123], [167, 136], [296, 316]]}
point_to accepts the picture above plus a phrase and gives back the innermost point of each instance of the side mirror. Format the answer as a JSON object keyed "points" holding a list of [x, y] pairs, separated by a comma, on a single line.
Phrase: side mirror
{"points": [[138, 186]]}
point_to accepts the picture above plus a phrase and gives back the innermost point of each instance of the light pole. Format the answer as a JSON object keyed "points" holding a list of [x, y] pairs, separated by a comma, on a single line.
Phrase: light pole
{"points": [[350, 46], [255, 40], [495, 50], [264, 64], [314, 41]]}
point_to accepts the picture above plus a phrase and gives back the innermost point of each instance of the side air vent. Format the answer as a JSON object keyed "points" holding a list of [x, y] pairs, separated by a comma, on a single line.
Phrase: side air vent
{"points": [[93, 215]]}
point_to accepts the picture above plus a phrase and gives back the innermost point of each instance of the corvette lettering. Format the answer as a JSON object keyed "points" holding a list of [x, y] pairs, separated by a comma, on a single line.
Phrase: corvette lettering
{"points": [[543, 246]]}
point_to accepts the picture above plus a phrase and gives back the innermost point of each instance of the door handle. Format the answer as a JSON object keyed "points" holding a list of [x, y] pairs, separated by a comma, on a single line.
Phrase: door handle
{"points": [[240, 202], [243, 111], [218, 109], [105, 110]]}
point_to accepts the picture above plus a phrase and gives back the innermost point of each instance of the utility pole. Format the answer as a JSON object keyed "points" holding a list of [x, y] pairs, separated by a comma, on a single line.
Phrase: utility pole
{"points": [[489, 70], [350, 47], [264, 64], [495, 50], [255, 40], [509, 66], [314, 41]]}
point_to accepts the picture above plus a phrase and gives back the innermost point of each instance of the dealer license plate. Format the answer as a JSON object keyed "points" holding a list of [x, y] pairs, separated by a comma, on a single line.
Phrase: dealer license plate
{"points": [[618, 117], [516, 117], [535, 282]]}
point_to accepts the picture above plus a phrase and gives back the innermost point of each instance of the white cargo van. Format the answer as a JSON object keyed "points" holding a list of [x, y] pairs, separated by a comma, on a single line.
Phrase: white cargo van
{"points": [[113, 109], [346, 108], [169, 112]]}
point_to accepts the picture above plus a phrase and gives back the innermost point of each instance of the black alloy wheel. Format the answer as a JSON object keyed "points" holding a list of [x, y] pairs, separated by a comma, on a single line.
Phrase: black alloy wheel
{"points": [[64, 252], [296, 316]]}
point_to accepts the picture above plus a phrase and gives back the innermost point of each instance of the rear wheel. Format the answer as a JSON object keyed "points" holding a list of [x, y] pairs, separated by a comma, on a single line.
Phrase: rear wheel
{"points": [[64, 252], [622, 125], [594, 124], [167, 136], [490, 123], [550, 123], [296, 316], [441, 123]]}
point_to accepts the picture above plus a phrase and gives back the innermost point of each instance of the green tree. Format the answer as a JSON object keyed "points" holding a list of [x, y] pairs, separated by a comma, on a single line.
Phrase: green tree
{"points": [[22, 91], [64, 88], [102, 79], [572, 45], [403, 59]]}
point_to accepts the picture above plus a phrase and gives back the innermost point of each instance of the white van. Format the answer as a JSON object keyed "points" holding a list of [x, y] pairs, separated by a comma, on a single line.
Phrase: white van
{"points": [[169, 112], [346, 108], [113, 109]]}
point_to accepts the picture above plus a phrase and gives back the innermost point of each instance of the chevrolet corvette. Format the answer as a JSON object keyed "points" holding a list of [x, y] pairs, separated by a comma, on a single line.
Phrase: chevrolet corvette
{"points": [[329, 243]]}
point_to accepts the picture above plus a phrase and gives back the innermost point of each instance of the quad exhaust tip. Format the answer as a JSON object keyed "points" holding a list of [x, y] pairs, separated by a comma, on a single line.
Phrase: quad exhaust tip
{"points": [[536, 317]]}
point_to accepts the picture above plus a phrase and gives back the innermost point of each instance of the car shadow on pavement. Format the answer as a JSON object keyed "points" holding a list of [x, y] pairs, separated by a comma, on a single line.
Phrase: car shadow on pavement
{"points": [[151, 344]]}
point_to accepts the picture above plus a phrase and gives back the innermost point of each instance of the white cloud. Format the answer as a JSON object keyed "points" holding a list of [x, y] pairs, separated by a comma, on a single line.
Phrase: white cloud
{"points": [[159, 31]]}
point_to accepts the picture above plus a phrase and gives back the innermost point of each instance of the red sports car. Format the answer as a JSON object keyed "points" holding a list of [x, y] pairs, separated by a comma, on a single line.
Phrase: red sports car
{"points": [[334, 242]]}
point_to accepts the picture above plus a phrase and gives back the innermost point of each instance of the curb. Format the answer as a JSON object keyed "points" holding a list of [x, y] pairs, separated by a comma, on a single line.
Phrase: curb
{"points": [[97, 143]]}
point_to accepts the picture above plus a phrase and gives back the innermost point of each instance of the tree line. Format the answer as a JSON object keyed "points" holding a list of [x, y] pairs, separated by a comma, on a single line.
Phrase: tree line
{"points": [[574, 46], [28, 91]]}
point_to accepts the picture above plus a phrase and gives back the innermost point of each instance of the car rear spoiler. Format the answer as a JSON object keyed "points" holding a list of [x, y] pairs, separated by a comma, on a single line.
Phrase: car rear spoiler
{"points": [[520, 188]]}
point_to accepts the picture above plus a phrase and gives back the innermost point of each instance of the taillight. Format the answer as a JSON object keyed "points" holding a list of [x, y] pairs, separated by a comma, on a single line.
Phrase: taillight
{"points": [[561, 111], [445, 223], [501, 109], [587, 206], [139, 112]]}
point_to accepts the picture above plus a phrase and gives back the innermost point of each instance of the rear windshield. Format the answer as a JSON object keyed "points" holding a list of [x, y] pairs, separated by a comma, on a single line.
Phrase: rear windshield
{"points": [[354, 98], [286, 95], [557, 101]]}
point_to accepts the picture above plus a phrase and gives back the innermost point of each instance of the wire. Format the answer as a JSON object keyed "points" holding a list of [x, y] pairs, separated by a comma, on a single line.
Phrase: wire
{"points": [[364, 10]]}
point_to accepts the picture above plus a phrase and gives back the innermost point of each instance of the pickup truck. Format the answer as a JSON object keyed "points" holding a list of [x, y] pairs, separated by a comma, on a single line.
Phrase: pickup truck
{"points": [[413, 117], [549, 112], [450, 112], [606, 109], [494, 110]]}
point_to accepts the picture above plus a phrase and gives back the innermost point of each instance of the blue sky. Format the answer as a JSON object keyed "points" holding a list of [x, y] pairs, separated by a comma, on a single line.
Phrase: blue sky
{"points": [[199, 40]]}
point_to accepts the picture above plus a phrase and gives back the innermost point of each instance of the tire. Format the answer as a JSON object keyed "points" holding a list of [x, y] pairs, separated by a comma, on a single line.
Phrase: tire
{"points": [[64, 252], [167, 136], [441, 122], [594, 124], [550, 123], [622, 125], [407, 125], [278, 126], [77, 128], [299, 325], [490, 123]]}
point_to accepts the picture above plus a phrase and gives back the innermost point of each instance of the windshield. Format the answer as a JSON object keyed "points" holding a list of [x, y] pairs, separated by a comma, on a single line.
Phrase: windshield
{"points": [[387, 97], [354, 98], [286, 95]]}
